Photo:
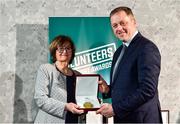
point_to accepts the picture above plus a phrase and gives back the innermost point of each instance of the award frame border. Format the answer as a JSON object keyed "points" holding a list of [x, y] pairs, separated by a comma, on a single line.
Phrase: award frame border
{"points": [[90, 75]]}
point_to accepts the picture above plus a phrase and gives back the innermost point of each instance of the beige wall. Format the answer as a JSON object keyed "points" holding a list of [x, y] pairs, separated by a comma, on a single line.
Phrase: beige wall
{"points": [[23, 46]]}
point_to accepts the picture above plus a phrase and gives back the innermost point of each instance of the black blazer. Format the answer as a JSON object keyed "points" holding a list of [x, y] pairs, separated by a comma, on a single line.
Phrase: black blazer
{"points": [[134, 89]]}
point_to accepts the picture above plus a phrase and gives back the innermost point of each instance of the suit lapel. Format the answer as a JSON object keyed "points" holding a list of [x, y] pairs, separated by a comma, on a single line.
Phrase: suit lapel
{"points": [[127, 53], [116, 55]]}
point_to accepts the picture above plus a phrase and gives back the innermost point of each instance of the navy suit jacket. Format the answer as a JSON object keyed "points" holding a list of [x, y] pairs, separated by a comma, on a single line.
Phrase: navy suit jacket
{"points": [[134, 90]]}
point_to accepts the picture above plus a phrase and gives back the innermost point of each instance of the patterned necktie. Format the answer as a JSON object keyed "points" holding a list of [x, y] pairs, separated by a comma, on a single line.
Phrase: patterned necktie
{"points": [[118, 61]]}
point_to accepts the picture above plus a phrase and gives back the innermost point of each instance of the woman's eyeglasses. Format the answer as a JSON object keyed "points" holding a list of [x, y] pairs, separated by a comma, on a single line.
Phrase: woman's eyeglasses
{"points": [[62, 49]]}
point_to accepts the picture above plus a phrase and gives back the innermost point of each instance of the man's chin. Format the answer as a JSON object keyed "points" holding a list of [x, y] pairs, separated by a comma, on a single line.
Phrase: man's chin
{"points": [[121, 38]]}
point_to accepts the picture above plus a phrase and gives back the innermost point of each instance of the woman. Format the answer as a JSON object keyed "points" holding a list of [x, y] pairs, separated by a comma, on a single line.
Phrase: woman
{"points": [[55, 85]]}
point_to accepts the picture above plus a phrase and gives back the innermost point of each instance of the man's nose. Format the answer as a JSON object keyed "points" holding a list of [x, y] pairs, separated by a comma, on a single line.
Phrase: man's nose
{"points": [[119, 27]]}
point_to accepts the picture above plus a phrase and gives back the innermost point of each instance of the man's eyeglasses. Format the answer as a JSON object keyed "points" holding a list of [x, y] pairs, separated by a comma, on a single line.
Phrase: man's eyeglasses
{"points": [[67, 49]]}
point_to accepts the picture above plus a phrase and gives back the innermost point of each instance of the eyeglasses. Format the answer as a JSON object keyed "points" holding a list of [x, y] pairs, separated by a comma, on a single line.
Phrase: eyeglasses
{"points": [[67, 49]]}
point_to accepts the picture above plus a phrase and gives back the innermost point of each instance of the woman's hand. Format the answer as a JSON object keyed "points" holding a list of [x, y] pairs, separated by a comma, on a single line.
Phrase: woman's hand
{"points": [[103, 87], [72, 107]]}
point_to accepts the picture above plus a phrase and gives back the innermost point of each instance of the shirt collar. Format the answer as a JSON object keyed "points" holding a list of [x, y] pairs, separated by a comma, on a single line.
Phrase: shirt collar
{"points": [[129, 41]]}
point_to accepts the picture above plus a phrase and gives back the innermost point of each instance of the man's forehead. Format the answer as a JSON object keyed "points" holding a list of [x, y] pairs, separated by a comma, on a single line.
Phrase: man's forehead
{"points": [[119, 17]]}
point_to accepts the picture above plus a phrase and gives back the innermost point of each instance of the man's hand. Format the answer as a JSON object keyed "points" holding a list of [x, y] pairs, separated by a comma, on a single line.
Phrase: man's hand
{"points": [[72, 107], [106, 110], [103, 87]]}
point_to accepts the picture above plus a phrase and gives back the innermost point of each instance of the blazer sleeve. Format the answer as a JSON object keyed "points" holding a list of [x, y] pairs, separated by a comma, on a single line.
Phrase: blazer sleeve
{"points": [[148, 68], [42, 99]]}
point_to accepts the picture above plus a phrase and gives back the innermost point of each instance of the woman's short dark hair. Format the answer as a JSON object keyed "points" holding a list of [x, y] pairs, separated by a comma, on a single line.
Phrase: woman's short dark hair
{"points": [[60, 40]]}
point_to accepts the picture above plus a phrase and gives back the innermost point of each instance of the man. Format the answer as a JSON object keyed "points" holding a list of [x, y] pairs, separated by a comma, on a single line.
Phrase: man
{"points": [[134, 74]]}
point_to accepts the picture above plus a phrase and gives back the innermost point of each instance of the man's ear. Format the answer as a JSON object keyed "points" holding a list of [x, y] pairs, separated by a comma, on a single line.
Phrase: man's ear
{"points": [[134, 21]]}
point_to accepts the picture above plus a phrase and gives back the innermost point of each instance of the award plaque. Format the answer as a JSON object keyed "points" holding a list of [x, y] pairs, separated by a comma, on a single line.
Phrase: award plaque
{"points": [[87, 91]]}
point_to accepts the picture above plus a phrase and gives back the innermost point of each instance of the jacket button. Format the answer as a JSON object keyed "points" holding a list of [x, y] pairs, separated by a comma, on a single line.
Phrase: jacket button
{"points": [[112, 91]]}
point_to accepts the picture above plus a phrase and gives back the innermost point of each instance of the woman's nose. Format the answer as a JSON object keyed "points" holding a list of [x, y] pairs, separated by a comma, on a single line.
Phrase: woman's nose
{"points": [[64, 50]]}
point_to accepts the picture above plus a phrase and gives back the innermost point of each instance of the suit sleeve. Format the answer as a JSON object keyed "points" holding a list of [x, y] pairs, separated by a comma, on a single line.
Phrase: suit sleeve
{"points": [[148, 69], [41, 96]]}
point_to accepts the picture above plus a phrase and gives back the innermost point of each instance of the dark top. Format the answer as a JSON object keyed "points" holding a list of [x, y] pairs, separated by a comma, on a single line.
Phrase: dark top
{"points": [[70, 84]]}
